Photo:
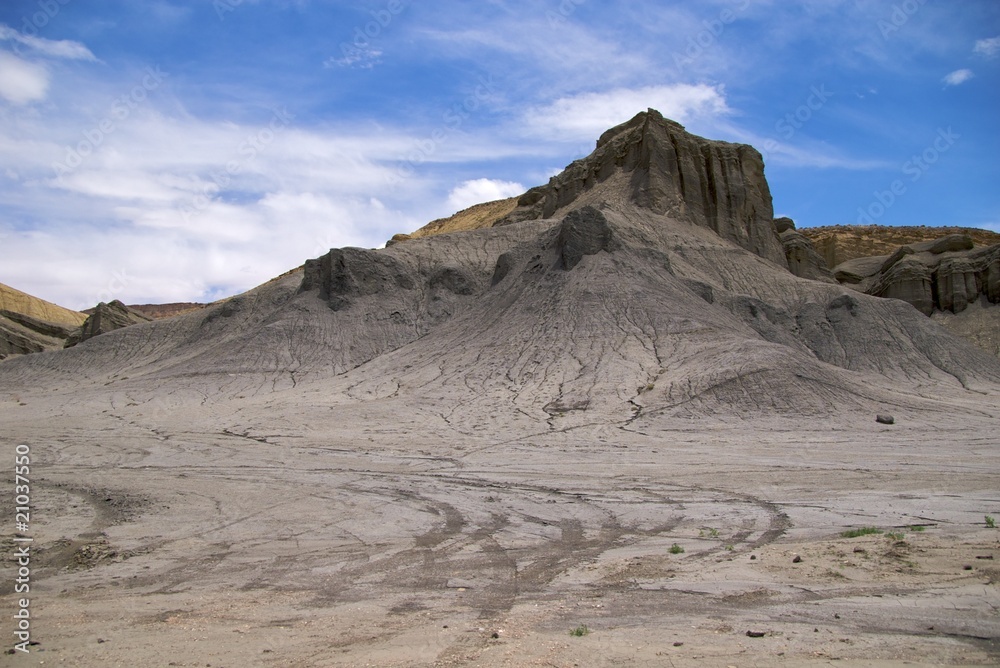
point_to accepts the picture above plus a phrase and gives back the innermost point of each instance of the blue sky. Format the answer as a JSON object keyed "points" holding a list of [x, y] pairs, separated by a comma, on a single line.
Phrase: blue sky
{"points": [[185, 151]]}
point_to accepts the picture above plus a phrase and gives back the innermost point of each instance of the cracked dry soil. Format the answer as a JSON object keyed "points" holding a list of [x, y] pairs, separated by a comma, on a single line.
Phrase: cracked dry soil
{"points": [[192, 547]]}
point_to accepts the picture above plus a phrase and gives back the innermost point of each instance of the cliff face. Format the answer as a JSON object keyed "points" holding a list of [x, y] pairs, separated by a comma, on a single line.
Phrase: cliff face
{"points": [[712, 184], [31, 325], [842, 243], [943, 275]]}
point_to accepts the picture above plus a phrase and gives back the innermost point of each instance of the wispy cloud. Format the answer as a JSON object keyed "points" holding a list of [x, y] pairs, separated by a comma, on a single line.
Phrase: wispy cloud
{"points": [[477, 191], [47, 47], [988, 47], [958, 77]]}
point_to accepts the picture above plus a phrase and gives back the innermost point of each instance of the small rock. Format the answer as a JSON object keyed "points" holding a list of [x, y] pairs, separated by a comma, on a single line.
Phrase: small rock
{"points": [[678, 644], [967, 567], [495, 635], [755, 634], [797, 559], [885, 419], [836, 616], [985, 556], [101, 640], [753, 557]]}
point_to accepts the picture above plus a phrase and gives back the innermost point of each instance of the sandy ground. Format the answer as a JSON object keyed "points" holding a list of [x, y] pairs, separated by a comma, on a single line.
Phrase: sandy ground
{"points": [[203, 540]]}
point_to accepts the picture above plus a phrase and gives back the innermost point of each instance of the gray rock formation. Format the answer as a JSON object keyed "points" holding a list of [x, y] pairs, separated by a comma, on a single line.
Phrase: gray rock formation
{"points": [[106, 317], [712, 184], [801, 257], [583, 232], [783, 224]]}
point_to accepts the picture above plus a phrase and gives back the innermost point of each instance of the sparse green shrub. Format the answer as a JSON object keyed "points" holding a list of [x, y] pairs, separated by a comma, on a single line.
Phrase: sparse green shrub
{"points": [[990, 522], [676, 549], [863, 531], [895, 535], [917, 528], [581, 630]]}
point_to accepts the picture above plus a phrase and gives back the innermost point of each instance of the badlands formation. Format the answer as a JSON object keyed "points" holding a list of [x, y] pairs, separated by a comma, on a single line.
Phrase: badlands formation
{"points": [[625, 419]]}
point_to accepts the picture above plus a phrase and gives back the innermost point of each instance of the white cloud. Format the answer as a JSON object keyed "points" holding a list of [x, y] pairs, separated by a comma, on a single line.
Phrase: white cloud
{"points": [[988, 47], [22, 82], [586, 116], [478, 191], [147, 203], [958, 77], [63, 48], [365, 58]]}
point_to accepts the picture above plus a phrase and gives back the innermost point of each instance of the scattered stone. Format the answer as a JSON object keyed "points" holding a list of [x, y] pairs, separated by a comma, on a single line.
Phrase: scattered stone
{"points": [[753, 557], [985, 556], [967, 567], [885, 419], [836, 616], [495, 635], [756, 634], [678, 644], [797, 559], [101, 640]]}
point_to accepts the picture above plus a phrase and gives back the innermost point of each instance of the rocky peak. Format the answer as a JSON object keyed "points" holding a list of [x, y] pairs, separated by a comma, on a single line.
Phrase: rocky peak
{"points": [[106, 317], [672, 172]]}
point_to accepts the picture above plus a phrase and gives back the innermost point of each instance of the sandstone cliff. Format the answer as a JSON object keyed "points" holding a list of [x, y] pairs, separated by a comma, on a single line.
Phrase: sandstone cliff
{"points": [[30, 325], [840, 243]]}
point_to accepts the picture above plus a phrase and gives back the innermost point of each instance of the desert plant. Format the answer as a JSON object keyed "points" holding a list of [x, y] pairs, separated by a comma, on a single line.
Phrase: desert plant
{"points": [[895, 535], [990, 522], [676, 549], [581, 630], [863, 531], [917, 528]]}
